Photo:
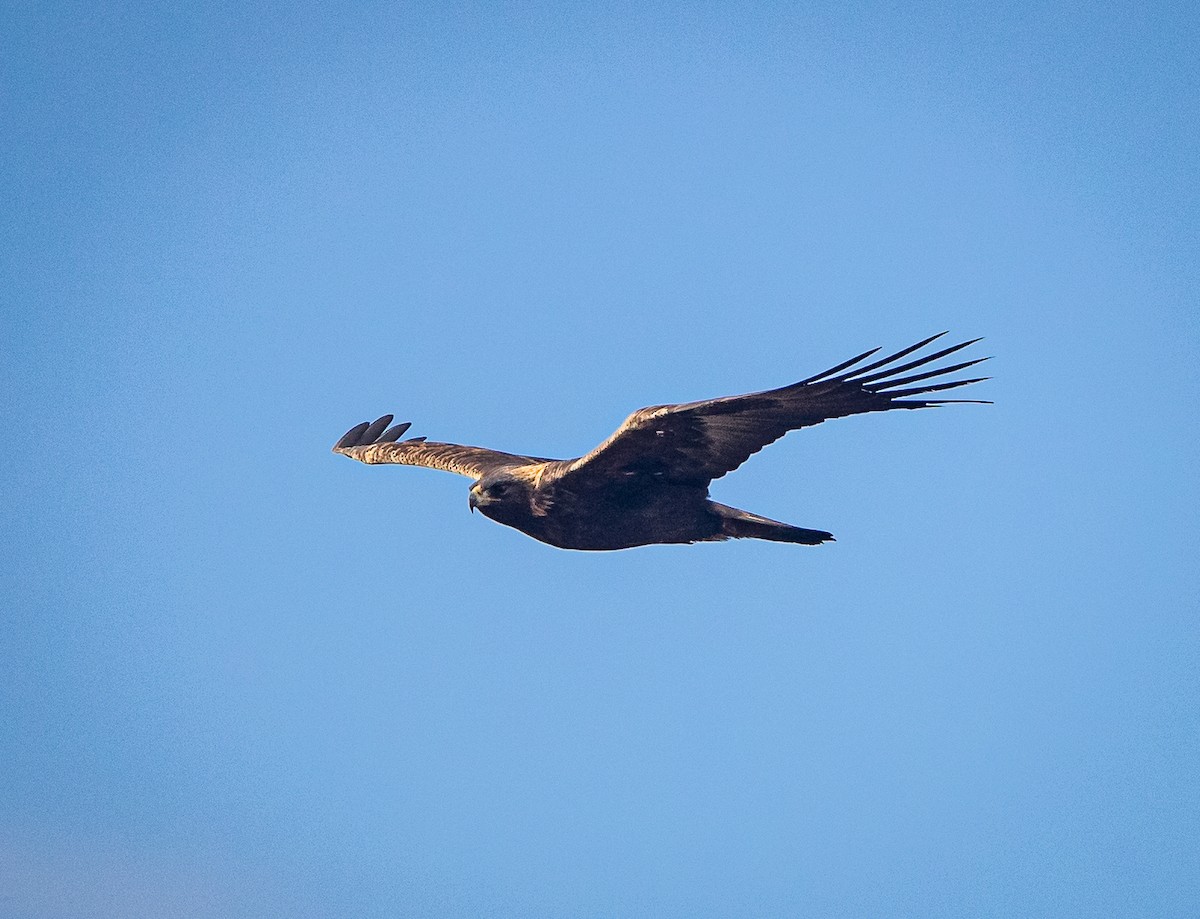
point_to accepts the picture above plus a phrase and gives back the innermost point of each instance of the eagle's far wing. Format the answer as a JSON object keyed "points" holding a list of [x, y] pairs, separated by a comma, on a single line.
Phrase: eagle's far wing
{"points": [[696, 442], [370, 443]]}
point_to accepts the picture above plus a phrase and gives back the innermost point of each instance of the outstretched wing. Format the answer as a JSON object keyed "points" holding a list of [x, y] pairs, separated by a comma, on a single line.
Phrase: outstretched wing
{"points": [[699, 441], [370, 443]]}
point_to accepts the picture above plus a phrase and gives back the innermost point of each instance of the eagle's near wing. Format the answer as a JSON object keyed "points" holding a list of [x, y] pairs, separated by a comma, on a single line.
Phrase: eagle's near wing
{"points": [[699, 441], [370, 443]]}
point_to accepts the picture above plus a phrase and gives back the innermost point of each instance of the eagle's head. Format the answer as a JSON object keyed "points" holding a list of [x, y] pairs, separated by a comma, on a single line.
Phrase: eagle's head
{"points": [[502, 496]]}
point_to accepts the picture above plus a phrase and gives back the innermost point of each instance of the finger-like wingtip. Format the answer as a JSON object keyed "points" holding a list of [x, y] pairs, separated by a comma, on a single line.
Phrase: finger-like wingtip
{"points": [[350, 438], [887, 372], [392, 434], [371, 432], [376, 428], [883, 361], [839, 368]]}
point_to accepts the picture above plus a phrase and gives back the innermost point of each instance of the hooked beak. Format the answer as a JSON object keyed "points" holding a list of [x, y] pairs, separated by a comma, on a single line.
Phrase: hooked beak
{"points": [[473, 499]]}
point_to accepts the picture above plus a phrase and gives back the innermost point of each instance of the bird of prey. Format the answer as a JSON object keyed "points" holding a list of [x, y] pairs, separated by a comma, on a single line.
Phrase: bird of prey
{"points": [[648, 482]]}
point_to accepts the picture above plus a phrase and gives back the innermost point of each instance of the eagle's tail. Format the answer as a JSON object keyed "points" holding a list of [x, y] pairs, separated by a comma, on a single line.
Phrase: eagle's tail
{"points": [[739, 524]]}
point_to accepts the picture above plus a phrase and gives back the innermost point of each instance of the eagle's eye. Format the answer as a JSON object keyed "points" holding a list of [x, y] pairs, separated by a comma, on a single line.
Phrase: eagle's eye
{"points": [[496, 489]]}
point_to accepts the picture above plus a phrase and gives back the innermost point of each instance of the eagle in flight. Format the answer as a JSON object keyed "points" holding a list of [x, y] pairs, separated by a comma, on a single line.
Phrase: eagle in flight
{"points": [[648, 483]]}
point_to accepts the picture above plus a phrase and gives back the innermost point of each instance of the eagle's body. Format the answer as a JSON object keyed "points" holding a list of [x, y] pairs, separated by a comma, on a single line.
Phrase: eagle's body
{"points": [[636, 512], [648, 483]]}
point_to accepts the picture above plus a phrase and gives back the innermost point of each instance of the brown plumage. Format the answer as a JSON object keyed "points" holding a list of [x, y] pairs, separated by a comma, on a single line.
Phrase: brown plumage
{"points": [[648, 483]]}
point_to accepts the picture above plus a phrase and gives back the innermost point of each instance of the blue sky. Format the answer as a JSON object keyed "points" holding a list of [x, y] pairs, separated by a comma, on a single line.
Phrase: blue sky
{"points": [[244, 677]]}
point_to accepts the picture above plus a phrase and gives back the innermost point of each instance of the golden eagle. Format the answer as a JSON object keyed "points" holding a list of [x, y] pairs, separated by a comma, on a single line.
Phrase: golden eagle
{"points": [[648, 483]]}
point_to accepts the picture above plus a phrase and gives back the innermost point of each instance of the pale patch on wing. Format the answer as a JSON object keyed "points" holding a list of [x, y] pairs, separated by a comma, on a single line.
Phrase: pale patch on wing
{"points": [[370, 443]]}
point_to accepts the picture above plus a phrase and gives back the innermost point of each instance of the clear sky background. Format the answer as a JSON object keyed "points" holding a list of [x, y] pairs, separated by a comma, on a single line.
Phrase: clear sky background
{"points": [[243, 677]]}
